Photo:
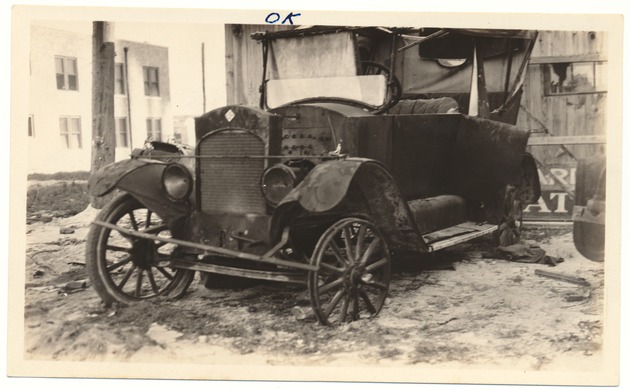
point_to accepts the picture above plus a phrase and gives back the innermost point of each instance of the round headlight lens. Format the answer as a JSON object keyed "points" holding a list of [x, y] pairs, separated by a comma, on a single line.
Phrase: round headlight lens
{"points": [[177, 181], [277, 182]]}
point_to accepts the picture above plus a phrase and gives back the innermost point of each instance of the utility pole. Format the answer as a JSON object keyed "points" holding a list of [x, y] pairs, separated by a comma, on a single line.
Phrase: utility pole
{"points": [[103, 122]]}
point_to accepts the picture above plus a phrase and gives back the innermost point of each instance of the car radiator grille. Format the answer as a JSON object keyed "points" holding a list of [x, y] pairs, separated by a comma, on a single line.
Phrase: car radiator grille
{"points": [[230, 182]]}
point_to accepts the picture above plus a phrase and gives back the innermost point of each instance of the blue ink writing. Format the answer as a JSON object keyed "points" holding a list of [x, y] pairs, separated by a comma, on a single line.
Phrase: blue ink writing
{"points": [[274, 17]]}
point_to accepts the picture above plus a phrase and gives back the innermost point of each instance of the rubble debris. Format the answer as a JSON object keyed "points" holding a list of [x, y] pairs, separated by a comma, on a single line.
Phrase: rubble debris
{"points": [[66, 230], [579, 296], [38, 274], [563, 277], [74, 286], [524, 253]]}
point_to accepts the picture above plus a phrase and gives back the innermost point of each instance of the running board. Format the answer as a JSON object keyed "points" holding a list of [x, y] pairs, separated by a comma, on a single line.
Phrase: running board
{"points": [[457, 234]]}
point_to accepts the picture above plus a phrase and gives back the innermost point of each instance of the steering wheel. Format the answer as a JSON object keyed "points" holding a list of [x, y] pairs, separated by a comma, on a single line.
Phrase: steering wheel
{"points": [[394, 88]]}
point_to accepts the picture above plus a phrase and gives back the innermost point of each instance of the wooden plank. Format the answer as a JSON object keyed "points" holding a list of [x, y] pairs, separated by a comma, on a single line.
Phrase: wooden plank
{"points": [[568, 58], [567, 140], [563, 277], [445, 243]]}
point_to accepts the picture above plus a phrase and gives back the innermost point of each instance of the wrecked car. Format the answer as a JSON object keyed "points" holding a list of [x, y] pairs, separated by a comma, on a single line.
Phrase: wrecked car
{"points": [[369, 145]]}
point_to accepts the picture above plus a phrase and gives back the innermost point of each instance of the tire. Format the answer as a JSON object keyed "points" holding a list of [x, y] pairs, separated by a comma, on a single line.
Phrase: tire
{"points": [[590, 238], [354, 269], [124, 269]]}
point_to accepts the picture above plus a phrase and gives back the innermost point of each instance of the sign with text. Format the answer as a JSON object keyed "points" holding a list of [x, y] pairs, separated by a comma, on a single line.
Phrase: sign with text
{"points": [[554, 204]]}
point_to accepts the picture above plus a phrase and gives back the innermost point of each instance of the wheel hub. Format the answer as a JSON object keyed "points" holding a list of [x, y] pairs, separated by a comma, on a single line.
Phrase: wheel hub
{"points": [[142, 253]]}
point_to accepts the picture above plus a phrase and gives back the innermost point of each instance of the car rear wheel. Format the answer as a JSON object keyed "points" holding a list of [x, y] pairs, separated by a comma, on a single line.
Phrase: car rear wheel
{"points": [[127, 269], [353, 272]]}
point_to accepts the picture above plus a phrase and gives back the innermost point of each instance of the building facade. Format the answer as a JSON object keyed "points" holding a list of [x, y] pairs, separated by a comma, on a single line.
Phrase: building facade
{"points": [[60, 100]]}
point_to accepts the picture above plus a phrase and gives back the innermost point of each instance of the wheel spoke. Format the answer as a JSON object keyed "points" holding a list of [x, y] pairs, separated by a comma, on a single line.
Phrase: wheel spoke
{"points": [[331, 268], [155, 229], [375, 284], [154, 286], [376, 265], [360, 240], [368, 302], [370, 250], [327, 287], [118, 264], [344, 308], [117, 248], [333, 303], [166, 274], [148, 222], [126, 277], [338, 253], [132, 218], [139, 283], [348, 241]]}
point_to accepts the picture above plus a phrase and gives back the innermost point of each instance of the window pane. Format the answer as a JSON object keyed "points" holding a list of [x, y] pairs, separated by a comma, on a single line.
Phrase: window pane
{"points": [[71, 66], [582, 78], [60, 81], [151, 81], [72, 82], [158, 129], [75, 133], [122, 132], [119, 85], [59, 65], [63, 128]]}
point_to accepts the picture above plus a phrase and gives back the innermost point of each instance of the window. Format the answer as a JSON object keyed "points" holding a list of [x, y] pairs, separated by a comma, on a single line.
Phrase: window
{"points": [[151, 81], [70, 130], [119, 79], [154, 129], [66, 70], [122, 135], [563, 78], [31, 126]]}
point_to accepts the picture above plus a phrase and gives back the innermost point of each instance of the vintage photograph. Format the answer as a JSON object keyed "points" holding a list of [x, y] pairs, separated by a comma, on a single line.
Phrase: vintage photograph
{"points": [[271, 196]]}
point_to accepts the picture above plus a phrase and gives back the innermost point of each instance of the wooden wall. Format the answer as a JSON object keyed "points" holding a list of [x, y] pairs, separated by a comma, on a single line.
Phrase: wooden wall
{"points": [[563, 115], [580, 114]]}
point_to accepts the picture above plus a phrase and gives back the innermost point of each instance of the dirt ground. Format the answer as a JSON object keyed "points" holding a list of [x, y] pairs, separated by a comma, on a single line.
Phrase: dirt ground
{"points": [[462, 308]]}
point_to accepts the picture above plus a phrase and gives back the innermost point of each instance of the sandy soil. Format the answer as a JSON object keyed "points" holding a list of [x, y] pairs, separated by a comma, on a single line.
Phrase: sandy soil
{"points": [[462, 308]]}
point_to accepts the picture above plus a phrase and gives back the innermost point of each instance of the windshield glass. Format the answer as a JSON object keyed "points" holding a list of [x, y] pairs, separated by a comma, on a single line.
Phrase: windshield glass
{"points": [[320, 66]]}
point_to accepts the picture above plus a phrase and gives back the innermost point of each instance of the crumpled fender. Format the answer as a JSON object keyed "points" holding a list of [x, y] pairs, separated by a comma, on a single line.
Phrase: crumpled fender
{"points": [[106, 179], [141, 178], [362, 185]]}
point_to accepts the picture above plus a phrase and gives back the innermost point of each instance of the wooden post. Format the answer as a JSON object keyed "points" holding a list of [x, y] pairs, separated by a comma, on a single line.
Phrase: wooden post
{"points": [[103, 122]]}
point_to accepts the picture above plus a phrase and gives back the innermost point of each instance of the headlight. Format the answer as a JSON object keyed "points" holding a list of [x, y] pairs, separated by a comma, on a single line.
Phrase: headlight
{"points": [[277, 182], [177, 181]]}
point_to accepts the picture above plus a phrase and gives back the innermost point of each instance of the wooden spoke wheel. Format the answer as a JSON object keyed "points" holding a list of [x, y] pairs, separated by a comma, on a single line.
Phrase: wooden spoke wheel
{"points": [[509, 231], [354, 269], [128, 269]]}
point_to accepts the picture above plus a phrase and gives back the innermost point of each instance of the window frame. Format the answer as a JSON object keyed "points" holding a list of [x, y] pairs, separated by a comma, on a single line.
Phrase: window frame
{"points": [[150, 127], [119, 133], [547, 70], [151, 87], [70, 131], [120, 82], [65, 74]]}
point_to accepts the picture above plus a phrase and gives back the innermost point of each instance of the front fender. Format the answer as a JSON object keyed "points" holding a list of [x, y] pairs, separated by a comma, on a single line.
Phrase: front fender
{"points": [[141, 178], [355, 186]]}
